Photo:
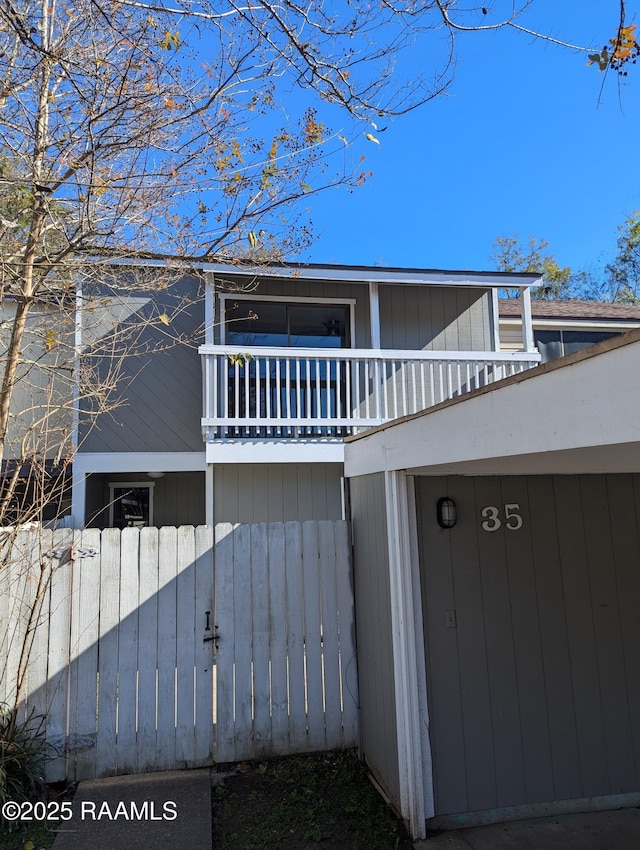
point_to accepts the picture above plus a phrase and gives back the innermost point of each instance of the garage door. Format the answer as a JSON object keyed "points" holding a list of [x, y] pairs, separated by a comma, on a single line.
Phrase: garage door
{"points": [[531, 606]]}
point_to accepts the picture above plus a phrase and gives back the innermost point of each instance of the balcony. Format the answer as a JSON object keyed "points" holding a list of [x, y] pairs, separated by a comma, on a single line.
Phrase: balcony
{"points": [[316, 394]]}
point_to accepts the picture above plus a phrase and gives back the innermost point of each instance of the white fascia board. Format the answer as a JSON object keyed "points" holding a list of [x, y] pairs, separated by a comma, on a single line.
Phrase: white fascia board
{"points": [[275, 451], [88, 462], [591, 404], [344, 274], [582, 324]]}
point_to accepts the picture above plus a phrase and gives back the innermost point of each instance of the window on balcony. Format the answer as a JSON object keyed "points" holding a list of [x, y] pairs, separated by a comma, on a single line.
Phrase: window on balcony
{"points": [[287, 325]]}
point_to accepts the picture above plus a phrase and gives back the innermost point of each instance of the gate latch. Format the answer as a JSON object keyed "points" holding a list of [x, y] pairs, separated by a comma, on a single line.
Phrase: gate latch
{"points": [[210, 634]]}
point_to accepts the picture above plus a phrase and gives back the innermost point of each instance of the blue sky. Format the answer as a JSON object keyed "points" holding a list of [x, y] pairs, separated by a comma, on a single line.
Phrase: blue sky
{"points": [[526, 141]]}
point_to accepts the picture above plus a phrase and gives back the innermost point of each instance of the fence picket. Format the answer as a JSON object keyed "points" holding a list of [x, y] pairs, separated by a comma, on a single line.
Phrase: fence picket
{"points": [[295, 636], [35, 690], [312, 637], [127, 658], [243, 644], [108, 654], [347, 636], [204, 650], [224, 599], [278, 606], [58, 611], [147, 649], [6, 573], [185, 646], [22, 588], [330, 647], [166, 711], [83, 672], [260, 639]]}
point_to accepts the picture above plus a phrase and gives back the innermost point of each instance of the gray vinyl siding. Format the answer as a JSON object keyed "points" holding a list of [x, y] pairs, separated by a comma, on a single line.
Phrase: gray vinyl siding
{"points": [[378, 726], [435, 318], [270, 492], [158, 402], [283, 289], [178, 497], [41, 400], [533, 696]]}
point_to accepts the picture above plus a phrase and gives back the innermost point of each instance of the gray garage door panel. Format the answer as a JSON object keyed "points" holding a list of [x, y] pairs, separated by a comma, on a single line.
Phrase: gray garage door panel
{"points": [[533, 690]]}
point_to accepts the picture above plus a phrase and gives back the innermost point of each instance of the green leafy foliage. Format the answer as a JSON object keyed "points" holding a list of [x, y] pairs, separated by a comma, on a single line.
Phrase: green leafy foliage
{"points": [[512, 255], [23, 755], [618, 282], [622, 274]]}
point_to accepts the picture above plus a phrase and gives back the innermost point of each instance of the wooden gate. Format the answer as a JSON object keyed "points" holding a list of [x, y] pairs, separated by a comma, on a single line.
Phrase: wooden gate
{"points": [[286, 671]]}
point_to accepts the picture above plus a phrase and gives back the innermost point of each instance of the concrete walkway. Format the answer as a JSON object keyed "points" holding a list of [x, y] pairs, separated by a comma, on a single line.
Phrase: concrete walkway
{"points": [[619, 830], [171, 810]]}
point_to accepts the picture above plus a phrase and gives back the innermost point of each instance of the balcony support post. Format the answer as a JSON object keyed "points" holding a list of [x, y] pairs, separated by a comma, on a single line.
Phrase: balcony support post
{"points": [[209, 308], [527, 325], [495, 319], [374, 314]]}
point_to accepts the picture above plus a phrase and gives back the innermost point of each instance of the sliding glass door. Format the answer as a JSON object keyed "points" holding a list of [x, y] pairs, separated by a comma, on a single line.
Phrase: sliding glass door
{"points": [[273, 387]]}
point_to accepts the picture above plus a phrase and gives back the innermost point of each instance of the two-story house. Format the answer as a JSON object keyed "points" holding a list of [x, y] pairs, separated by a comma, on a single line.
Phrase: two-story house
{"points": [[245, 420]]}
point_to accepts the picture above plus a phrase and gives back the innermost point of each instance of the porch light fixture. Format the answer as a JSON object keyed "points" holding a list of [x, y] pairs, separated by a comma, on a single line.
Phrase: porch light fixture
{"points": [[155, 474], [446, 512]]}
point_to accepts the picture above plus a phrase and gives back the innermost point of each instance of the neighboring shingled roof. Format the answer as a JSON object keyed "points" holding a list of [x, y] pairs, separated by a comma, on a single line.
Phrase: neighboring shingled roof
{"points": [[510, 307]]}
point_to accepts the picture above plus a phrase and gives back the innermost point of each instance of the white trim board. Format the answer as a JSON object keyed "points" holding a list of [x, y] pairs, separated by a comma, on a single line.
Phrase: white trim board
{"points": [[85, 463], [541, 323], [275, 451], [140, 462]]}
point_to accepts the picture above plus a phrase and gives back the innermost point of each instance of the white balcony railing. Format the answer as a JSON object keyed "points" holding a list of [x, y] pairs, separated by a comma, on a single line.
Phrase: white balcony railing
{"points": [[310, 392]]}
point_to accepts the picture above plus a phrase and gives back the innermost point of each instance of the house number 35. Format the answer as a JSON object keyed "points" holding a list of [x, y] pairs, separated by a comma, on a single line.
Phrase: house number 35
{"points": [[492, 521]]}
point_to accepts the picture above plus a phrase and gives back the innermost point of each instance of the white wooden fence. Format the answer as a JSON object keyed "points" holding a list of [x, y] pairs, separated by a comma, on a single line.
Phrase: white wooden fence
{"points": [[122, 661]]}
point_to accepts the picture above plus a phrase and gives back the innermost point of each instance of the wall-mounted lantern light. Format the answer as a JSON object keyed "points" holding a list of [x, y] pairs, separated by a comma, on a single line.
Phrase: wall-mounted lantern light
{"points": [[446, 512]]}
